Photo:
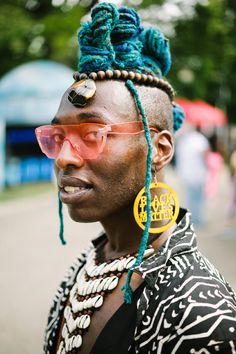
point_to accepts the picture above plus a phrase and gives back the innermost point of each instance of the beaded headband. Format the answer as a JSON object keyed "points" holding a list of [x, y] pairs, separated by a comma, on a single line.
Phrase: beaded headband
{"points": [[142, 79]]}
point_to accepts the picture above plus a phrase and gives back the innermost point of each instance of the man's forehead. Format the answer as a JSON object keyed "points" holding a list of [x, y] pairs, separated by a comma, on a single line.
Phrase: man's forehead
{"points": [[110, 90], [112, 98]]}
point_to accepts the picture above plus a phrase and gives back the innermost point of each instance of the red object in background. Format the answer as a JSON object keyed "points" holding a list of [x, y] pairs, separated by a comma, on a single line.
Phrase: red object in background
{"points": [[201, 113]]}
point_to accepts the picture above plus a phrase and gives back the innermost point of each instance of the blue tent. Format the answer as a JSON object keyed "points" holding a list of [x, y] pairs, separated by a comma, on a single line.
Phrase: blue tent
{"points": [[30, 94]]}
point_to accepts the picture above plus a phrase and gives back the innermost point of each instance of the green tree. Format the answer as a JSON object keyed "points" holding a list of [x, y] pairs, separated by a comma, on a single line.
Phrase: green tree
{"points": [[38, 30], [205, 55]]}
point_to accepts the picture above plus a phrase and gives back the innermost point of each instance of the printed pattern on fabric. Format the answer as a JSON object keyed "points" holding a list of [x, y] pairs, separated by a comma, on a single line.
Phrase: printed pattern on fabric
{"points": [[186, 306]]}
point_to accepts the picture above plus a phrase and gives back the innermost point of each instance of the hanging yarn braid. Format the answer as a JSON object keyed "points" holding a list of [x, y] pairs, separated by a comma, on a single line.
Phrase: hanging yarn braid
{"points": [[61, 232], [143, 245], [115, 40]]}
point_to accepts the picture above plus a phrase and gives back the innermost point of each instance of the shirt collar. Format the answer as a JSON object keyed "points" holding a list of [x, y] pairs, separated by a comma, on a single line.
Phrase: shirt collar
{"points": [[181, 241]]}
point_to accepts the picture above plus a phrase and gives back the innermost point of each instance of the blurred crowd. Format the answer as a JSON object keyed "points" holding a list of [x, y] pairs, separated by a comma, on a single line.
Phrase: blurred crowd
{"points": [[199, 161]]}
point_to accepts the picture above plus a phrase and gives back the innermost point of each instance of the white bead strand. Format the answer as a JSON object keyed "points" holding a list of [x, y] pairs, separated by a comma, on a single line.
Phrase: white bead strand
{"points": [[92, 284]]}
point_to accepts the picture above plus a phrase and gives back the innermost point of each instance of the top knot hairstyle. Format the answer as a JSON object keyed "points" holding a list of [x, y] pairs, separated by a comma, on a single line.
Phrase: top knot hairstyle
{"points": [[115, 40], [114, 45]]}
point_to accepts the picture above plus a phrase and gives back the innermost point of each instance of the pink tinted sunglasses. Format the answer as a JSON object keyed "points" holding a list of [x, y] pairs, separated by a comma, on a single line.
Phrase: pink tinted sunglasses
{"points": [[87, 139]]}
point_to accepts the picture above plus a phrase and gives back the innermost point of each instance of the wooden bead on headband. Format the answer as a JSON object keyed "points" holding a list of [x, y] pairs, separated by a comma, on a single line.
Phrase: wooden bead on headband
{"points": [[142, 79]]}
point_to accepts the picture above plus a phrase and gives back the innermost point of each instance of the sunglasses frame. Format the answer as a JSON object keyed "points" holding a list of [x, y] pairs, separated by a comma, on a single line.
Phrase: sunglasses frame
{"points": [[134, 128]]}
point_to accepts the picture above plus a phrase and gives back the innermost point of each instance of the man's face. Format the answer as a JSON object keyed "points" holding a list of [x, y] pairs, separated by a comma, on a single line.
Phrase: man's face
{"points": [[109, 184]]}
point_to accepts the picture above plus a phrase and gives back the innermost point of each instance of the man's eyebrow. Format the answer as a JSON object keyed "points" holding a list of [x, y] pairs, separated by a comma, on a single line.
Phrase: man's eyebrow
{"points": [[87, 115], [55, 121], [81, 115]]}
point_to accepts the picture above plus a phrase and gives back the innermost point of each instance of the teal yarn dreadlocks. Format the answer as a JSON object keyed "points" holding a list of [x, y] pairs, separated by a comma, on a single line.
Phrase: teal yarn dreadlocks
{"points": [[115, 39], [97, 51], [178, 116]]}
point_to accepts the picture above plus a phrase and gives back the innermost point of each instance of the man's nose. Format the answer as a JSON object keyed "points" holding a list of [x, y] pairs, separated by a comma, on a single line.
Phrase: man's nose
{"points": [[68, 156]]}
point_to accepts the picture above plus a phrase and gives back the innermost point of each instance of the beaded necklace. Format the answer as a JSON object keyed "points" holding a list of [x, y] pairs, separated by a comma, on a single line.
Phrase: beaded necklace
{"points": [[94, 281]]}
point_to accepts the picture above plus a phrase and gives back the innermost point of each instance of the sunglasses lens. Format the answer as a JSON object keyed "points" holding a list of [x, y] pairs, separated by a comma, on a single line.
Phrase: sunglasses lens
{"points": [[49, 140], [89, 140], [86, 139]]}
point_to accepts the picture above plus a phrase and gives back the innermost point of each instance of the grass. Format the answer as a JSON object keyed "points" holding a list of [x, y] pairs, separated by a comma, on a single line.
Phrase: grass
{"points": [[25, 190]]}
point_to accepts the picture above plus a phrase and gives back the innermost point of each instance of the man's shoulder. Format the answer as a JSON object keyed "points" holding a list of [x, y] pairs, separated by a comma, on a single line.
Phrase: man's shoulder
{"points": [[188, 288], [190, 306], [191, 275]]}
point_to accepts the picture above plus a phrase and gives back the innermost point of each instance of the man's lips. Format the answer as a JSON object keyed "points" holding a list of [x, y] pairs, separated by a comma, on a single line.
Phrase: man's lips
{"points": [[73, 188], [75, 182]]}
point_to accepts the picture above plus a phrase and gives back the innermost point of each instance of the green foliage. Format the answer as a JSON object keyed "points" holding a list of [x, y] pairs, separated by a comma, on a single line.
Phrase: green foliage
{"points": [[205, 55], [37, 30], [14, 39], [144, 3], [61, 33]]}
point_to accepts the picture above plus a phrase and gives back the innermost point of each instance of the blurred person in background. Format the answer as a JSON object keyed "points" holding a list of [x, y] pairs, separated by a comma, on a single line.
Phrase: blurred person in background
{"points": [[215, 163], [192, 148], [232, 207], [111, 139]]}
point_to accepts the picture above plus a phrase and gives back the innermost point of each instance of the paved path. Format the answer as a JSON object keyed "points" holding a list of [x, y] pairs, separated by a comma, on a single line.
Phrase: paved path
{"points": [[32, 263]]}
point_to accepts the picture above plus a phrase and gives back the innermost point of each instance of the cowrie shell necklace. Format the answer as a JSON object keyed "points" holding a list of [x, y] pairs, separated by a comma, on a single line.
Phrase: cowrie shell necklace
{"points": [[87, 295]]}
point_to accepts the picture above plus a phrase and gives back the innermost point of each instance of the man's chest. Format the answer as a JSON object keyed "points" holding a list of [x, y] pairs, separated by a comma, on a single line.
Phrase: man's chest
{"points": [[79, 330]]}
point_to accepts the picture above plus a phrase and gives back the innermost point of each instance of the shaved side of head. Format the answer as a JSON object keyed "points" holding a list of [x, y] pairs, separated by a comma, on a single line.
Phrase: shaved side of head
{"points": [[158, 107]]}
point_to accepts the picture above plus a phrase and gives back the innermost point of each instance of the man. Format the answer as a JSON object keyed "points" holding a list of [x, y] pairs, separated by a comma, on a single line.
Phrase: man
{"points": [[111, 136]]}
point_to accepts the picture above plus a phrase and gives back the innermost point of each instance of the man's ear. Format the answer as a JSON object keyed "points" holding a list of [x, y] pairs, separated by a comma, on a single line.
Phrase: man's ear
{"points": [[163, 149]]}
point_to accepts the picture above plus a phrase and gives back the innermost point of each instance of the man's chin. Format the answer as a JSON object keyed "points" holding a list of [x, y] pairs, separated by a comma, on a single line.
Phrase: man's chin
{"points": [[83, 216]]}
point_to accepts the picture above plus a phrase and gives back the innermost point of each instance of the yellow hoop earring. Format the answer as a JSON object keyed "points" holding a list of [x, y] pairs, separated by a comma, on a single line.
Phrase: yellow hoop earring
{"points": [[164, 207]]}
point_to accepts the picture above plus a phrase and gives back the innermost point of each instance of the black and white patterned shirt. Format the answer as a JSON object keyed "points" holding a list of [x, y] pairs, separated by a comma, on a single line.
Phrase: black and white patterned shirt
{"points": [[186, 306]]}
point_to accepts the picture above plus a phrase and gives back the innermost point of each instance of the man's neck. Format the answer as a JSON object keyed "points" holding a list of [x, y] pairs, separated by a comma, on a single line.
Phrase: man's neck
{"points": [[124, 235]]}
